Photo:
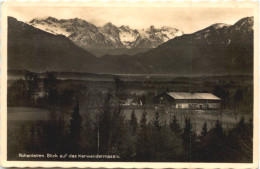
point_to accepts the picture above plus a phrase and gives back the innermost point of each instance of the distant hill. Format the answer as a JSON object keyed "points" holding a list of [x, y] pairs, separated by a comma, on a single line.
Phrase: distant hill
{"points": [[36, 50], [216, 50]]}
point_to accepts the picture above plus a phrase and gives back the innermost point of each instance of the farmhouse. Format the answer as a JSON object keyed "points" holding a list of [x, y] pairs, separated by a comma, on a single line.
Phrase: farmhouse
{"points": [[185, 100]]}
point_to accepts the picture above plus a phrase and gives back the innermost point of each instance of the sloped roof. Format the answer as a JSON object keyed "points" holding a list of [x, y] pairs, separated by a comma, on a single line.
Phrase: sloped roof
{"points": [[201, 96]]}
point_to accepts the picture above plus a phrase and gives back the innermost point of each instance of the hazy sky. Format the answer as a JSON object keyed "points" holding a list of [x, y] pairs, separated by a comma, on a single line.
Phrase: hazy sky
{"points": [[186, 19]]}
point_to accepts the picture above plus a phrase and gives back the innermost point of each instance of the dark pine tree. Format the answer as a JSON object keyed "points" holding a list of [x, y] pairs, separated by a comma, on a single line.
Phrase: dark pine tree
{"points": [[103, 127], [175, 126], [239, 142], [114, 130], [17, 93], [189, 140], [159, 139], [133, 122], [142, 145], [128, 147], [204, 131], [186, 134], [32, 80], [75, 129], [215, 144], [224, 94], [156, 121], [202, 154], [50, 93], [218, 130], [238, 97]]}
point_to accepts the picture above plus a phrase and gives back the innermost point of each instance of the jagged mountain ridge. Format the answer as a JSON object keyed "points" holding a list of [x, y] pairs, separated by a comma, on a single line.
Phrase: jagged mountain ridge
{"points": [[91, 37], [216, 50]]}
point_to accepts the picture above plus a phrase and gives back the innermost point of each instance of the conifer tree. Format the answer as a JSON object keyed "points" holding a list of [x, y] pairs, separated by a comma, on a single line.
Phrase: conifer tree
{"points": [[156, 121], [238, 97], [202, 154], [186, 135], [32, 80], [117, 127], [75, 122], [103, 126], [133, 122], [241, 125], [142, 145], [75, 128], [116, 119], [160, 139], [239, 142], [189, 139], [175, 126], [218, 130], [143, 121], [204, 131], [215, 144], [250, 128]]}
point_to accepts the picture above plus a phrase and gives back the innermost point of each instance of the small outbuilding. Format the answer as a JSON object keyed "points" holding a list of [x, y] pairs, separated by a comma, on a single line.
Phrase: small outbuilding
{"points": [[185, 100]]}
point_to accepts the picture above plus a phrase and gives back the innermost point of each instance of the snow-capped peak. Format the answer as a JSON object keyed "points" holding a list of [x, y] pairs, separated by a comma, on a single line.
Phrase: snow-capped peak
{"points": [[87, 35], [125, 27], [52, 19]]}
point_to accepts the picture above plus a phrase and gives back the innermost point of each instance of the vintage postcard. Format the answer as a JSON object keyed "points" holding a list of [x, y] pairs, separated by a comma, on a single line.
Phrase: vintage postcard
{"points": [[130, 84]]}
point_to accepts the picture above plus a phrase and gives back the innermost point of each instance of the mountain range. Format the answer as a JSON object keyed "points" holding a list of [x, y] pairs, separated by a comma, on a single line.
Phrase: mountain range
{"points": [[216, 50], [108, 38]]}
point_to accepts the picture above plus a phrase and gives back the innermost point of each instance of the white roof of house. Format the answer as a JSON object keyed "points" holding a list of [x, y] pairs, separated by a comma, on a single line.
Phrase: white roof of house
{"points": [[201, 96]]}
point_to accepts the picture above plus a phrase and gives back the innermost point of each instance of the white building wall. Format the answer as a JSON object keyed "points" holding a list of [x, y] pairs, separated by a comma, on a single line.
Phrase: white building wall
{"points": [[197, 105]]}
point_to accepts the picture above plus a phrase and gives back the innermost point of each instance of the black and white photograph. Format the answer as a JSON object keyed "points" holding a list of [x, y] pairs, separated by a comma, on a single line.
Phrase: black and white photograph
{"points": [[140, 84]]}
